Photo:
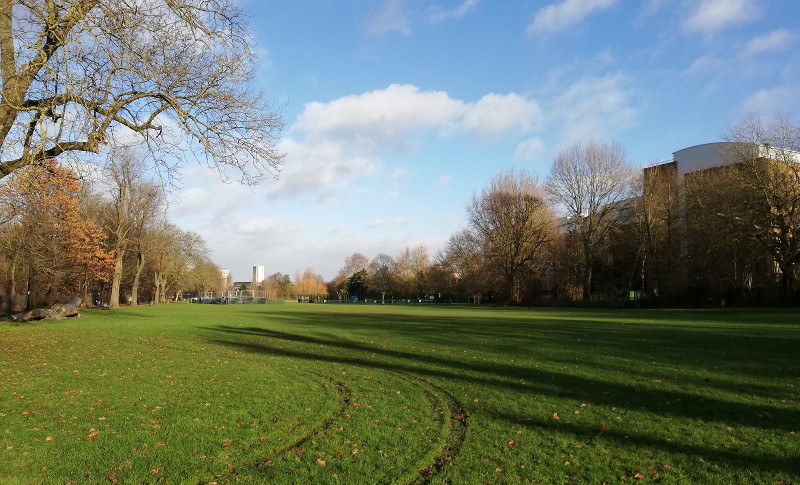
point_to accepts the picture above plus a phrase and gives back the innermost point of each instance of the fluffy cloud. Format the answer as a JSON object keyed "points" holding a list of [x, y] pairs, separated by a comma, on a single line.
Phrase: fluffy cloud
{"points": [[333, 143], [495, 115], [382, 113], [713, 15], [558, 16]]}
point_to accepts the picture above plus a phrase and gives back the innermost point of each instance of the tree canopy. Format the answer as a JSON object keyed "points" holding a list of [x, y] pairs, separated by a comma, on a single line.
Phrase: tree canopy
{"points": [[175, 75]]}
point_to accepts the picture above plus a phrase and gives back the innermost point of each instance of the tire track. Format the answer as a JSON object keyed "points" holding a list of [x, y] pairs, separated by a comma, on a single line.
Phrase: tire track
{"points": [[344, 402], [452, 432]]}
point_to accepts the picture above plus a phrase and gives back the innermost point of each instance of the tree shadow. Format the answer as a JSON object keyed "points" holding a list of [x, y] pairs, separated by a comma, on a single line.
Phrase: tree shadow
{"points": [[441, 347]]}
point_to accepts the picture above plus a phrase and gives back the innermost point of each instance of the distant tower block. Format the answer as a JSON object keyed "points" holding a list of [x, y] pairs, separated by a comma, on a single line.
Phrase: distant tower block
{"points": [[258, 275]]}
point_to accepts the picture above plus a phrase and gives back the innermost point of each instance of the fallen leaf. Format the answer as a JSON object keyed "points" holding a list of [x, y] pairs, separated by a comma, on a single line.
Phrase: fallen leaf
{"points": [[93, 433], [50, 438], [556, 416], [638, 475], [154, 471], [511, 442], [321, 462]]}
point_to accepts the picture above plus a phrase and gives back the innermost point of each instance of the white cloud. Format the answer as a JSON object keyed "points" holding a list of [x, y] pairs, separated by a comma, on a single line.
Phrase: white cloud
{"points": [[391, 17], [770, 101], [595, 107], [318, 167], [381, 114], [558, 16], [776, 40], [529, 149], [439, 14], [333, 143], [713, 15], [495, 114]]}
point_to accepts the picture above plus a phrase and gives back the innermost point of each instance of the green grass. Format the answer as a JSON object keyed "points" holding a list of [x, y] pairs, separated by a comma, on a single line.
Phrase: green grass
{"points": [[307, 393]]}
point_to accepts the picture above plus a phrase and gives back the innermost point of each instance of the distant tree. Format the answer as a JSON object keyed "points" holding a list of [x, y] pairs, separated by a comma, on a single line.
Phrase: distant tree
{"points": [[355, 283], [310, 284], [514, 224], [382, 275], [202, 277], [353, 264], [173, 252], [76, 73], [589, 182], [413, 267], [466, 265]]}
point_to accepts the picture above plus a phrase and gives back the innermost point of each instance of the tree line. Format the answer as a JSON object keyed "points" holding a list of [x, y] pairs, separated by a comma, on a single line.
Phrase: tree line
{"points": [[597, 228], [105, 238]]}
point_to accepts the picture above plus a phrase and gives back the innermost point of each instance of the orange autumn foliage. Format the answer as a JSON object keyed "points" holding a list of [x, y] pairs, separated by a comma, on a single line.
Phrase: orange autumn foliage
{"points": [[62, 247]]}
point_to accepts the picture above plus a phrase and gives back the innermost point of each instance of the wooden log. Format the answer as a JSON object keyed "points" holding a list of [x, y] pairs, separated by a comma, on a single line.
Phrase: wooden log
{"points": [[56, 312]]}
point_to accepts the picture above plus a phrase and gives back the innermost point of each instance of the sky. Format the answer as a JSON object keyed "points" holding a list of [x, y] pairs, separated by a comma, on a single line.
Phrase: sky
{"points": [[398, 112]]}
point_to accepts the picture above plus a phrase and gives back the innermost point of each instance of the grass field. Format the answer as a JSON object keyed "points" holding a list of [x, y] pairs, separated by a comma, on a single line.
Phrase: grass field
{"points": [[309, 393]]}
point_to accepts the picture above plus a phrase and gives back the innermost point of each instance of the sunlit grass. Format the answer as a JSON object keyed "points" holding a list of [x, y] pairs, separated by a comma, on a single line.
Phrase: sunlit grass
{"points": [[309, 393]]}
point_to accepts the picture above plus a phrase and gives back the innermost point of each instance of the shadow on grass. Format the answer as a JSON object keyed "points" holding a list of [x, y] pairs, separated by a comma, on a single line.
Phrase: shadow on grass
{"points": [[681, 348]]}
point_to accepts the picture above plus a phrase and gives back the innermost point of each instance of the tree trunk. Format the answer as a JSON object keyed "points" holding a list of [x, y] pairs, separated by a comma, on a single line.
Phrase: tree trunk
{"points": [[116, 279], [135, 286], [157, 281], [55, 312], [587, 272]]}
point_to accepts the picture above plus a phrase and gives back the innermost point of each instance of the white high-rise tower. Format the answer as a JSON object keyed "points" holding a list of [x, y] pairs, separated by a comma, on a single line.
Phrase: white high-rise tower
{"points": [[258, 275]]}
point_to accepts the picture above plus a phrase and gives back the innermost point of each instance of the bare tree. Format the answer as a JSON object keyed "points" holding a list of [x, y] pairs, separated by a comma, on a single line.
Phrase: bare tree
{"points": [[465, 262], [382, 274], [77, 72], [590, 182], [661, 230], [514, 223], [172, 253], [764, 178], [130, 202], [413, 265]]}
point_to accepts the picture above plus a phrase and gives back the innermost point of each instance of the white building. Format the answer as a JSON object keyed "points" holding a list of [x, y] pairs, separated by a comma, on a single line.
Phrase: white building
{"points": [[258, 275]]}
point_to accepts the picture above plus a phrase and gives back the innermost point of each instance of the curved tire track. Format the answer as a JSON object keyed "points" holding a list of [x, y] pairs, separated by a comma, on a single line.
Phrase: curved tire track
{"points": [[451, 436]]}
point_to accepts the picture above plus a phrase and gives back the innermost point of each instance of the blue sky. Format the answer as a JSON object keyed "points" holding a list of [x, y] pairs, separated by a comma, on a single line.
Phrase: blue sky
{"points": [[398, 111]]}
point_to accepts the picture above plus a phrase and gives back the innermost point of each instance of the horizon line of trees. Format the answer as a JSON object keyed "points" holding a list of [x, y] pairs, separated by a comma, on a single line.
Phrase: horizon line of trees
{"points": [[722, 234], [104, 238], [716, 236]]}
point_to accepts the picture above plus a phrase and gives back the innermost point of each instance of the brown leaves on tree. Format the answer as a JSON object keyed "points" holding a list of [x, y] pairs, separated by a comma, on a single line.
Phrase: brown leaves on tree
{"points": [[48, 231]]}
